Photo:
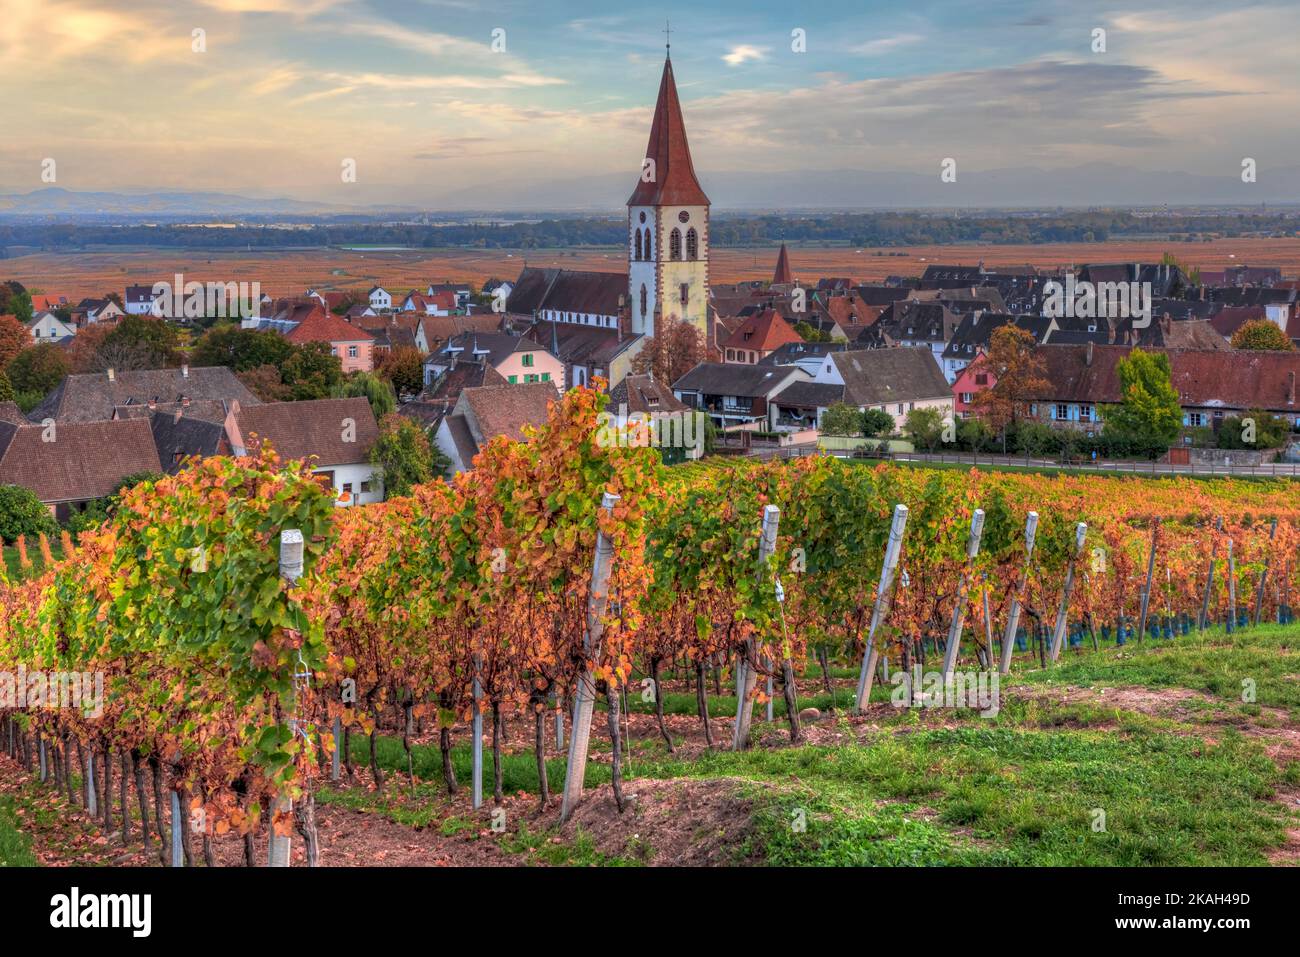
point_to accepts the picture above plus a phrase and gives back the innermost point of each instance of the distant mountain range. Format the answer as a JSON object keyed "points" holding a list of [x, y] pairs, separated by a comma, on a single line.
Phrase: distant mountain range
{"points": [[1097, 184]]}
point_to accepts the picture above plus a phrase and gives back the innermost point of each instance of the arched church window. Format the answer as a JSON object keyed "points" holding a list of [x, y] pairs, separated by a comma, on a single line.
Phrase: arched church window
{"points": [[638, 245], [643, 300], [692, 244], [675, 246]]}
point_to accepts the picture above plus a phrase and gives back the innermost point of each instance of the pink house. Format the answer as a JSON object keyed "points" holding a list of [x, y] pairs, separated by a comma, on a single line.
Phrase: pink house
{"points": [[354, 346], [975, 378]]}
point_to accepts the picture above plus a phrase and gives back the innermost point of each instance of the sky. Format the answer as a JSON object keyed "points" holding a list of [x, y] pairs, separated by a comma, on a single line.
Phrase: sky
{"points": [[272, 97]]}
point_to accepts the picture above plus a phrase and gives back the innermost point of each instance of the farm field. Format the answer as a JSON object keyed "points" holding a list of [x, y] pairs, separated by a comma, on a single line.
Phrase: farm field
{"points": [[291, 272], [1153, 734]]}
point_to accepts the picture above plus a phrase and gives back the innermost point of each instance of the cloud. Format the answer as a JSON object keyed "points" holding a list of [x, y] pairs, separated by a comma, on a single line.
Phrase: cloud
{"points": [[743, 53], [886, 44]]}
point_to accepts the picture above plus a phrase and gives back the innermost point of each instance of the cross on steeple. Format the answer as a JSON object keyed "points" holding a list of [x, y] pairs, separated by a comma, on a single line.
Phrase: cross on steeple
{"points": [[668, 40]]}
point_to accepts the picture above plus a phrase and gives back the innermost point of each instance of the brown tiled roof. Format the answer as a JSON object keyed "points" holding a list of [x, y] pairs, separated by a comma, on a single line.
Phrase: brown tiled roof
{"points": [[85, 460], [881, 376], [1231, 318], [506, 409], [438, 329], [641, 393], [9, 412], [674, 183], [581, 344], [91, 397], [297, 430]]}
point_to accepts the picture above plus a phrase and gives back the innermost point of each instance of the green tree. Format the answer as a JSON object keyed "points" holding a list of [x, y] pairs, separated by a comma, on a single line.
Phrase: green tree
{"points": [[1256, 429], [21, 513], [842, 419], [313, 371], [404, 456], [367, 385], [1262, 334], [1149, 412], [38, 369], [924, 427], [240, 349], [7, 393], [155, 338], [877, 422], [404, 368]]}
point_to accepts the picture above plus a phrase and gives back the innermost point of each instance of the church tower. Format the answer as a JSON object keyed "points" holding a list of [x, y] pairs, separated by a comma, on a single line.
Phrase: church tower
{"points": [[668, 225]]}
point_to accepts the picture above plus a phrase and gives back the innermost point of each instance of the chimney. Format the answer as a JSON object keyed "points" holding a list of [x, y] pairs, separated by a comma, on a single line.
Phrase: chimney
{"points": [[1088, 357], [1290, 388], [185, 372]]}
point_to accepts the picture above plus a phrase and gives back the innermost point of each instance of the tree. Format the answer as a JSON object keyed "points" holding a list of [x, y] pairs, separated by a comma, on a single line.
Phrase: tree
{"points": [[924, 427], [1256, 429], [7, 393], [240, 349], [38, 369], [265, 383], [145, 338], [842, 419], [21, 513], [312, 371], [1149, 410], [877, 422], [1262, 334], [404, 368], [14, 338], [404, 456], [371, 387], [1021, 378], [15, 301], [674, 351], [810, 333]]}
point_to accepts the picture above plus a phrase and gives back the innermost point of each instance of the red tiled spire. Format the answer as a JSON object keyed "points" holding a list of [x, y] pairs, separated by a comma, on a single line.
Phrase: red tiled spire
{"points": [[783, 274], [674, 183]]}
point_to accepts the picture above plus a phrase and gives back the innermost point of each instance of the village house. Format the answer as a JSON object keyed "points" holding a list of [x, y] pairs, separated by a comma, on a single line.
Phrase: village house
{"points": [[336, 435], [735, 394], [896, 381], [98, 396], [77, 461], [47, 327], [588, 353], [517, 359], [380, 299], [758, 337], [90, 311], [141, 301], [481, 414]]}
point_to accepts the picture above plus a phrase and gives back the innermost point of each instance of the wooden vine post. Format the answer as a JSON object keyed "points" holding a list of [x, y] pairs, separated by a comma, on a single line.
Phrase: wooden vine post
{"points": [[1013, 615], [747, 665], [1209, 576], [1263, 574], [1146, 588], [291, 550], [1063, 613], [963, 590], [1232, 590], [869, 654], [476, 740], [584, 695]]}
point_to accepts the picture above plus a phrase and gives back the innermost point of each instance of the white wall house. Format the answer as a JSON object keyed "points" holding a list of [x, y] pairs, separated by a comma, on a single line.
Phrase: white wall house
{"points": [[47, 327], [380, 298]]}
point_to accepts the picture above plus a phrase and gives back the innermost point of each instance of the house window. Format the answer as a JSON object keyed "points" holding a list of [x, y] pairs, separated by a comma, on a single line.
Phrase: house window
{"points": [[1062, 411], [365, 488], [692, 244], [352, 352], [981, 378], [347, 488], [546, 377], [675, 245], [900, 408], [528, 360], [965, 398], [514, 380], [1085, 413], [1195, 419], [530, 379]]}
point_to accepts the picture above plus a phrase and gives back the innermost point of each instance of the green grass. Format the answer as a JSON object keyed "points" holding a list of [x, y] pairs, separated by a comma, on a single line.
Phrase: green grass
{"points": [[15, 848], [952, 788]]}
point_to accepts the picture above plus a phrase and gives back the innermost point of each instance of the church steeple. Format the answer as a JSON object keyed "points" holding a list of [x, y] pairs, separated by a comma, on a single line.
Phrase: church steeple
{"points": [[783, 274], [671, 180]]}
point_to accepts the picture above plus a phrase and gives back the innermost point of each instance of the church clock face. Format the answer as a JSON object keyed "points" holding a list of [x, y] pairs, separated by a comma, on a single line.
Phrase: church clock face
{"points": [[643, 217], [683, 216]]}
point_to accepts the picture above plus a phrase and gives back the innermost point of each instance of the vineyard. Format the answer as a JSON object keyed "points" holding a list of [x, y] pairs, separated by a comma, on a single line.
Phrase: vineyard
{"points": [[250, 636]]}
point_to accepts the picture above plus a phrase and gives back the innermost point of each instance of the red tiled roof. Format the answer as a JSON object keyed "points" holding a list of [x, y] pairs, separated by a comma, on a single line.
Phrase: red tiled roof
{"points": [[297, 430], [86, 460], [674, 183], [762, 332], [321, 326], [783, 275], [1231, 318]]}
